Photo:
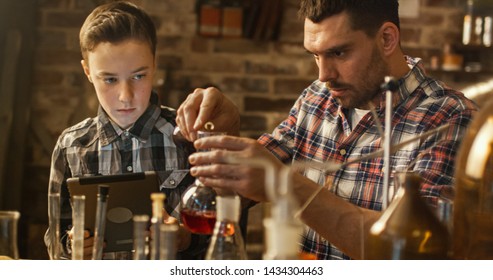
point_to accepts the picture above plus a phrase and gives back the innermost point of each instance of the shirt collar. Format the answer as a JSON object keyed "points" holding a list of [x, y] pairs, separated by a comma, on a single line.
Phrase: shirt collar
{"points": [[109, 131], [408, 83]]}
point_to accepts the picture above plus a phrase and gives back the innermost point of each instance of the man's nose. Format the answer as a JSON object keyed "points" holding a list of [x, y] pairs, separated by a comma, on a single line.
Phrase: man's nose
{"points": [[326, 70]]}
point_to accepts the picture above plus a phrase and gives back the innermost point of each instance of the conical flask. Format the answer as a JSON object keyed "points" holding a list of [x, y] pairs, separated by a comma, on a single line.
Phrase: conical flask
{"points": [[473, 203], [408, 229], [227, 242]]}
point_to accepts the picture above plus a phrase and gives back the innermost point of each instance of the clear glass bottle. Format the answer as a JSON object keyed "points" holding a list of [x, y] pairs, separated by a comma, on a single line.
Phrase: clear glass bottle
{"points": [[100, 226], [473, 203], [168, 241], [467, 30], [227, 242], [8, 234], [198, 205], [283, 229], [78, 214], [139, 243], [54, 226], [408, 229], [156, 222], [198, 208]]}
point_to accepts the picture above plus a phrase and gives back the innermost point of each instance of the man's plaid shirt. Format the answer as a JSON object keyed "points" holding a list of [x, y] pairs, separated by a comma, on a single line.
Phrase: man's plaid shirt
{"points": [[318, 129]]}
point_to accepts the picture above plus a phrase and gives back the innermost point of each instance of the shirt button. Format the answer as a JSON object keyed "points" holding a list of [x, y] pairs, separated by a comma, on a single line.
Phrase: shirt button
{"points": [[342, 152], [126, 133], [129, 168], [172, 182]]}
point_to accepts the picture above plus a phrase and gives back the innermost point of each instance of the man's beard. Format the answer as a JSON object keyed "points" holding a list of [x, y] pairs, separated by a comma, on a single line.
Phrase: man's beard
{"points": [[371, 79]]}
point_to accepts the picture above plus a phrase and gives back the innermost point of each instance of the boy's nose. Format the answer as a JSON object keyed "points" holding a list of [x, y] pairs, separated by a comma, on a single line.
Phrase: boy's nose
{"points": [[126, 93]]}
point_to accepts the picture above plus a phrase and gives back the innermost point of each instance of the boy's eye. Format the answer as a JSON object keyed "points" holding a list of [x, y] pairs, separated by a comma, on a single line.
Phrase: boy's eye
{"points": [[109, 80], [139, 76]]}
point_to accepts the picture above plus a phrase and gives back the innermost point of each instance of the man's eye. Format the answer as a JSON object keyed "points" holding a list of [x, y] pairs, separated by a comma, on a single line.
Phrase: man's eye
{"points": [[338, 53], [109, 80]]}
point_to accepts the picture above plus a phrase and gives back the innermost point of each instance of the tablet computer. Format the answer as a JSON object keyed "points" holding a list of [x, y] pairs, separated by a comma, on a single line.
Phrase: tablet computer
{"points": [[129, 195]]}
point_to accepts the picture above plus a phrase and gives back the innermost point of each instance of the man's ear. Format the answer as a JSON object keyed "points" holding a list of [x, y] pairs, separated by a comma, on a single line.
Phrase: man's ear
{"points": [[390, 37], [85, 67]]}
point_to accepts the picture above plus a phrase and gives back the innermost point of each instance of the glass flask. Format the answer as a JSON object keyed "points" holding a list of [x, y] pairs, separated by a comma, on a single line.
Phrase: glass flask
{"points": [[227, 242], [8, 235], [473, 202], [408, 229], [198, 212], [198, 203]]}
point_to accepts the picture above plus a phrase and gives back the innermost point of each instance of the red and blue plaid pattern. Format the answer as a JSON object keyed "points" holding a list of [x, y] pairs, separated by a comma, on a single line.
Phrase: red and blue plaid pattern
{"points": [[318, 129]]}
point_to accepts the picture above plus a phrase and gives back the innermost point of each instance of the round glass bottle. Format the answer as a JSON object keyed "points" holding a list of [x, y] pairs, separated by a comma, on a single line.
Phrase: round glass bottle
{"points": [[198, 203], [408, 229]]}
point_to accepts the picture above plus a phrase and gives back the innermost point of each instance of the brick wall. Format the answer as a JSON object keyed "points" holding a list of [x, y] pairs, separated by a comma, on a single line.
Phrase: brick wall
{"points": [[263, 78]]}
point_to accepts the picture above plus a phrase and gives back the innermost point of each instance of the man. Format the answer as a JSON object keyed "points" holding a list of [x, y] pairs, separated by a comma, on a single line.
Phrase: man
{"points": [[131, 132], [355, 45]]}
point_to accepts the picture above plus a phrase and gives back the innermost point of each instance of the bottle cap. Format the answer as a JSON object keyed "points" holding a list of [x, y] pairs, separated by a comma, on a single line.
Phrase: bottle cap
{"points": [[103, 191]]}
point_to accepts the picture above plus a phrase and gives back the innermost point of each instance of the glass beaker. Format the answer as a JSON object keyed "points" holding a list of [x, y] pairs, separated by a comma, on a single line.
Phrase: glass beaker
{"points": [[198, 203], [8, 234]]}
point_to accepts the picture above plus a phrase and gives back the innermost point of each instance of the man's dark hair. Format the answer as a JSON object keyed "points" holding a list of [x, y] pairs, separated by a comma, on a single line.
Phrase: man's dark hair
{"points": [[365, 15]]}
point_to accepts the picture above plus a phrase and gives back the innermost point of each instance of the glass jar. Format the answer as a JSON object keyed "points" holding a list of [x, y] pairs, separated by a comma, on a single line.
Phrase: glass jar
{"points": [[8, 234]]}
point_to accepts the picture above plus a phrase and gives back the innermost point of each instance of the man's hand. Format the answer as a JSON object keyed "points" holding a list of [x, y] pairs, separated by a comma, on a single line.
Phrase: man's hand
{"points": [[213, 168], [207, 105]]}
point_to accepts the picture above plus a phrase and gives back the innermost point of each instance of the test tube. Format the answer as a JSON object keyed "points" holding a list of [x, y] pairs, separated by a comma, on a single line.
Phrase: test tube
{"points": [[99, 228], [78, 210], [156, 221], [140, 225], [54, 225], [168, 241]]}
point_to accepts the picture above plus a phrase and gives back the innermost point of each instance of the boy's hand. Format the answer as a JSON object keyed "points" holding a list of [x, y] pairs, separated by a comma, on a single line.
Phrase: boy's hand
{"points": [[88, 243]]}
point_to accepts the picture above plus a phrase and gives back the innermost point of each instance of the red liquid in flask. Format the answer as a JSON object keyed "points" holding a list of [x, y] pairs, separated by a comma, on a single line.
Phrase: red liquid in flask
{"points": [[200, 222]]}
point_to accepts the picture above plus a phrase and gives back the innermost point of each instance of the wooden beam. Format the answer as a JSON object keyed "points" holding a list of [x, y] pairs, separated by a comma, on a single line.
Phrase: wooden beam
{"points": [[7, 96]]}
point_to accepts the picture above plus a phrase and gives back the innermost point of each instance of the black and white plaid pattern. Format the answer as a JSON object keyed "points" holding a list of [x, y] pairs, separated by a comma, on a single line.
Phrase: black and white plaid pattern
{"points": [[97, 146]]}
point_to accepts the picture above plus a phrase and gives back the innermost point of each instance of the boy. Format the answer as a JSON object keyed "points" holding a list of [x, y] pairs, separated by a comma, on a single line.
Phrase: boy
{"points": [[131, 132]]}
